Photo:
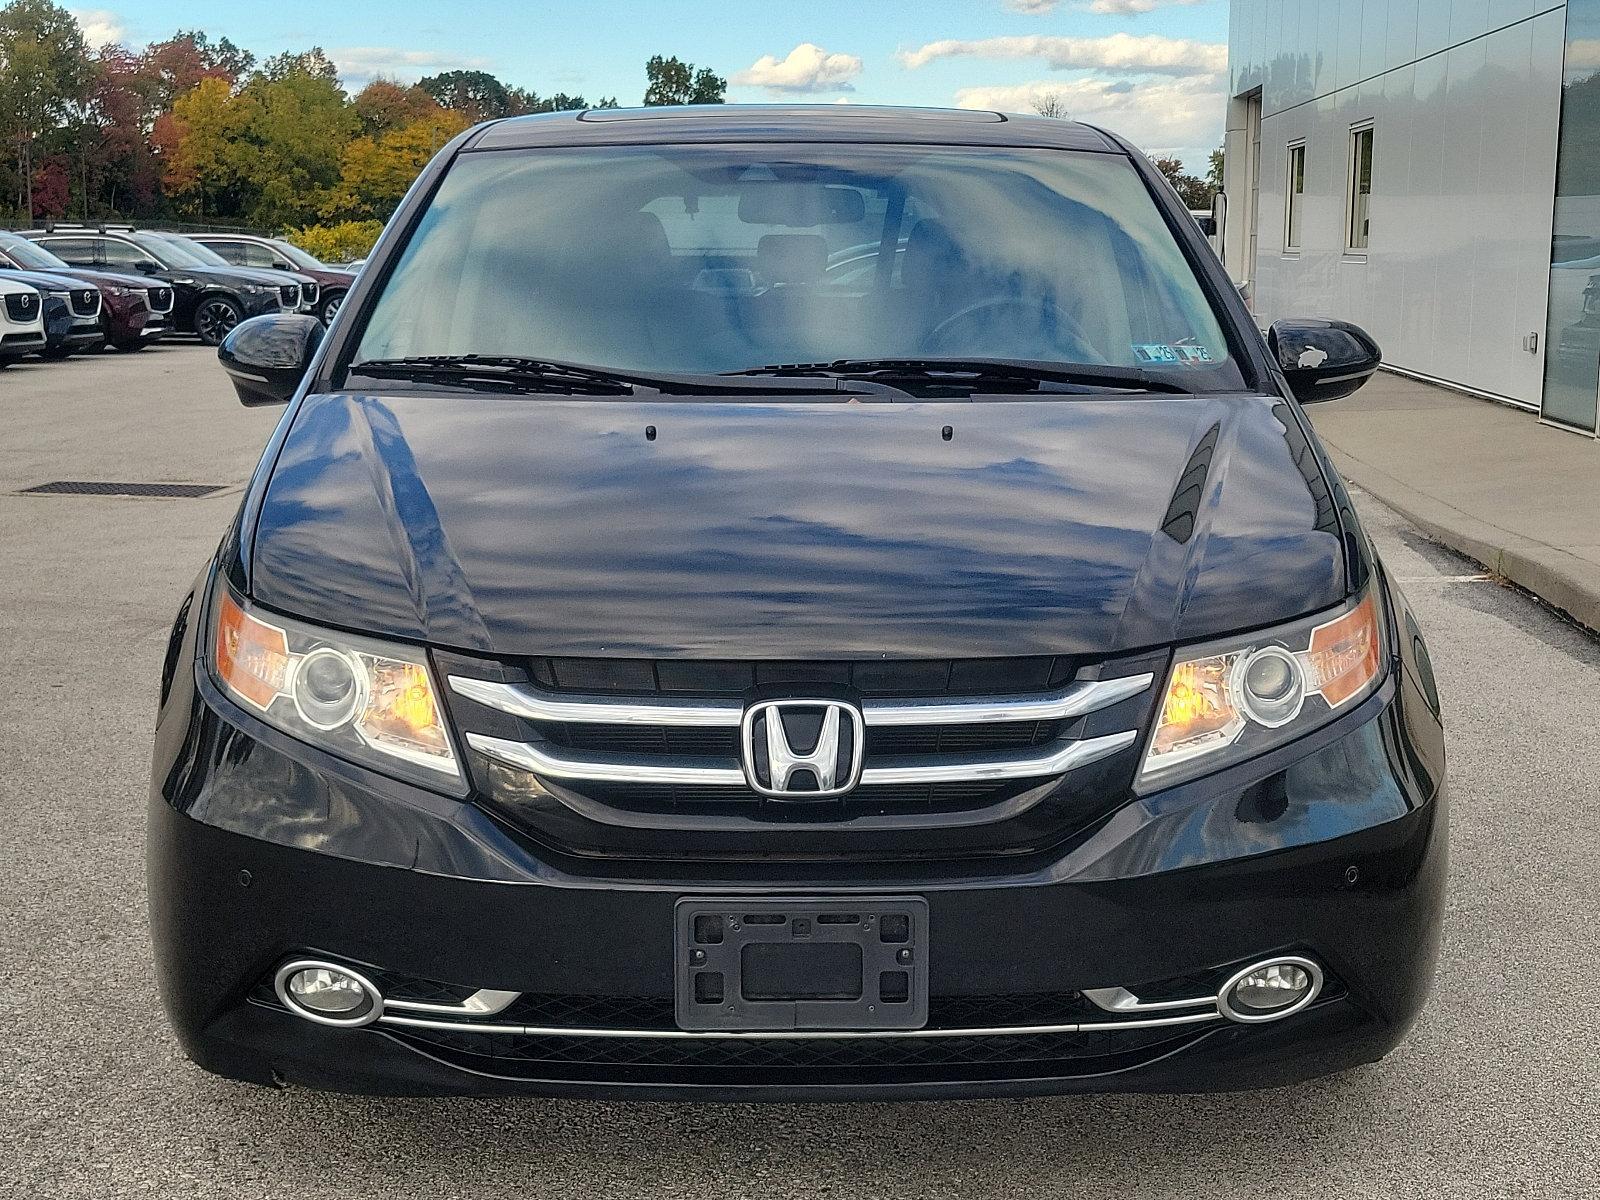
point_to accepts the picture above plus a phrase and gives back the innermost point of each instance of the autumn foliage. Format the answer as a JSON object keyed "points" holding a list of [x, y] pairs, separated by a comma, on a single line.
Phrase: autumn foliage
{"points": [[195, 129]]}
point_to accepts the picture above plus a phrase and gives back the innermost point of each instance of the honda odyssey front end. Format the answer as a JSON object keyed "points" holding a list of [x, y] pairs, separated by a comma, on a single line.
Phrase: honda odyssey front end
{"points": [[794, 604]]}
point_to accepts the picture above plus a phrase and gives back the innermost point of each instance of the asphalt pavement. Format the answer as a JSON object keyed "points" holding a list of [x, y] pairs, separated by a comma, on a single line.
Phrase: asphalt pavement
{"points": [[1496, 1092]]}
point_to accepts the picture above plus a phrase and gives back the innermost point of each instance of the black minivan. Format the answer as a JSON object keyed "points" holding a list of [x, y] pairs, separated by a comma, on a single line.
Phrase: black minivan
{"points": [[794, 603]]}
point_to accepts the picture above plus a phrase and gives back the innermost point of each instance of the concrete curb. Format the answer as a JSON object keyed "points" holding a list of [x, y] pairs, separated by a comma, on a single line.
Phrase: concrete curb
{"points": [[1562, 580]]}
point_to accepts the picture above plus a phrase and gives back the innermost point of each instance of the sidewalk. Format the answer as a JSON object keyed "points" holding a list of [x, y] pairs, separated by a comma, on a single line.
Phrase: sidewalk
{"points": [[1484, 479]]}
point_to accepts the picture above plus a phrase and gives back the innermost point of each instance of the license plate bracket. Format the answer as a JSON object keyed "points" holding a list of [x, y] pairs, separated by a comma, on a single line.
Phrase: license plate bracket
{"points": [[789, 963]]}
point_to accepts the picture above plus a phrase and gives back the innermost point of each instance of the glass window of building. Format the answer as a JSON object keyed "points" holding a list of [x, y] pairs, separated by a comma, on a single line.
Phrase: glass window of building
{"points": [[1360, 200], [1295, 192]]}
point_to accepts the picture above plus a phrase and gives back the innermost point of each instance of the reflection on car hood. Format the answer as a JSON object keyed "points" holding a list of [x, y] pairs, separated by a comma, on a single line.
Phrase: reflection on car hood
{"points": [[796, 530]]}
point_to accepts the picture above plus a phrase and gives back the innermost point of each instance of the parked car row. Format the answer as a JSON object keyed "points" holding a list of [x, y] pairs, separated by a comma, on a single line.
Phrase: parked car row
{"points": [[68, 288]]}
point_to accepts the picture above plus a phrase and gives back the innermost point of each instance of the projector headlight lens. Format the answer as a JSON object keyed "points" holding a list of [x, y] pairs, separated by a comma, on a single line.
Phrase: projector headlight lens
{"points": [[372, 702], [1234, 699]]}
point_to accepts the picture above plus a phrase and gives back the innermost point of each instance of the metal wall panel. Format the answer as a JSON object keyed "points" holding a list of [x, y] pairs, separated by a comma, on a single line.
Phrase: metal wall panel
{"points": [[1464, 97]]}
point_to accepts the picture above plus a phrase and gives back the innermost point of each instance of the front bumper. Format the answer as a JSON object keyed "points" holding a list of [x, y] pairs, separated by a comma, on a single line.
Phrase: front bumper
{"points": [[262, 849]]}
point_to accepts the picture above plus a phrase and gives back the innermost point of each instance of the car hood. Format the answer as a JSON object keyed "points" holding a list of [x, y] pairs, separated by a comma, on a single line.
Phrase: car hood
{"points": [[796, 530], [47, 281], [106, 279]]}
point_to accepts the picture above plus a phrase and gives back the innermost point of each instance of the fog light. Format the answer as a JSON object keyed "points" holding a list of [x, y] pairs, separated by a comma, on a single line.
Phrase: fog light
{"points": [[328, 994], [1270, 990]]}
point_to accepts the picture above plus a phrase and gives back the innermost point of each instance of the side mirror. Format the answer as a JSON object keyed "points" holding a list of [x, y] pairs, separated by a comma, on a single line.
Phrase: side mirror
{"points": [[147, 266], [279, 265], [266, 357], [1323, 360]]}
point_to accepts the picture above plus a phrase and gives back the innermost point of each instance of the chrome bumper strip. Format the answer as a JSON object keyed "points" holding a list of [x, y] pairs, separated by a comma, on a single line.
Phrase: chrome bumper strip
{"points": [[714, 772], [795, 1035], [1085, 696], [482, 1003], [1121, 1000]]}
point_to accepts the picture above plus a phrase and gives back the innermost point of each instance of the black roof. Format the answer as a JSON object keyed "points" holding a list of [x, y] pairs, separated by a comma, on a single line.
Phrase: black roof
{"points": [[788, 123]]}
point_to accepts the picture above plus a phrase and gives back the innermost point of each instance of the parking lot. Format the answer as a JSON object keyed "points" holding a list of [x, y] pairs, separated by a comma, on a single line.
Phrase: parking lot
{"points": [[1497, 1091]]}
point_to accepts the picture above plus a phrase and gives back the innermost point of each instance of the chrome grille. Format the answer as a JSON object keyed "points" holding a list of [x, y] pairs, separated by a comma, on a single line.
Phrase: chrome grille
{"points": [[290, 292], [993, 738]]}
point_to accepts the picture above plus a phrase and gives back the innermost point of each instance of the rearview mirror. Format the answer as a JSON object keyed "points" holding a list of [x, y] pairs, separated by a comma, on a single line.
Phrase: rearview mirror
{"points": [[799, 205], [1323, 360], [266, 357]]}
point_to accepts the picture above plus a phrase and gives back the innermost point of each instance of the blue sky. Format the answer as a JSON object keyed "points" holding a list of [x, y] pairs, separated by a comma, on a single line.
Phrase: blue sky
{"points": [[1152, 69]]}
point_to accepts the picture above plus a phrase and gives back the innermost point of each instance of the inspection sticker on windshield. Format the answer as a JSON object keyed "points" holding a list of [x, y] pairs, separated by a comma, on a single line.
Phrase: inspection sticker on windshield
{"points": [[1160, 353]]}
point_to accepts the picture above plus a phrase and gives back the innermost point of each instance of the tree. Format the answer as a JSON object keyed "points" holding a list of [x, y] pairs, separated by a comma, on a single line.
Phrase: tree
{"points": [[44, 82], [51, 190], [383, 105], [312, 63], [300, 124], [375, 171], [1194, 192], [1052, 104], [1214, 169], [188, 56], [672, 81], [477, 94], [204, 147]]}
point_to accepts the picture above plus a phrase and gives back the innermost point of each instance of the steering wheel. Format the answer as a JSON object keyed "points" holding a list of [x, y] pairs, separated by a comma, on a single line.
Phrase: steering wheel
{"points": [[1059, 327]]}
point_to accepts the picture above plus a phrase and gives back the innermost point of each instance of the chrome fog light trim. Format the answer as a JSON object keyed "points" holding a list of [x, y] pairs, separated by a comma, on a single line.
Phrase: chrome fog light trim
{"points": [[1232, 1007], [299, 983]]}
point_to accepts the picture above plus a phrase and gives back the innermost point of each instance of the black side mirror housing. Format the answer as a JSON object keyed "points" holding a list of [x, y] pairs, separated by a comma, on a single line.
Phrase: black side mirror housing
{"points": [[1323, 360], [147, 266], [266, 357]]}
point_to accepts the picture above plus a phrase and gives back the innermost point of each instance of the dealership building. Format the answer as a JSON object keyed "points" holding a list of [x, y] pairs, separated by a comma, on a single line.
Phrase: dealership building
{"points": [[1429, 169]]}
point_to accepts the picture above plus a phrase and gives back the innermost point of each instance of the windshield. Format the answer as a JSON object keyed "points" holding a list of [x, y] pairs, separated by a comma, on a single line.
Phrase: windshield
{"points": [[296, 255], [203, 255], [30, 256], [172, 252], [716, 258]]}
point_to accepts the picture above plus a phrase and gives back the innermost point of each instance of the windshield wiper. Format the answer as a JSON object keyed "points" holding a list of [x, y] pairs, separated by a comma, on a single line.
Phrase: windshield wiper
{"points": [[513, 372], [976, 374]]}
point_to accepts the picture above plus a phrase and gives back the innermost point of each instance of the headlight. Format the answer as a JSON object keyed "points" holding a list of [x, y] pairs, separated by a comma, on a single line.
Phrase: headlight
{"points": [[370, 701], [118, 291], [1232, 700]]}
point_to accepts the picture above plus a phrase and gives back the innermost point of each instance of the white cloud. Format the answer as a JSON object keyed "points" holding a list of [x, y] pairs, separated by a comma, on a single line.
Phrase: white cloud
{"points": [[1123, 8], [1120, 8], [101, 26], [808, 68], [1167, 116], [1149, 53], [359, 65], [1583, 54]]}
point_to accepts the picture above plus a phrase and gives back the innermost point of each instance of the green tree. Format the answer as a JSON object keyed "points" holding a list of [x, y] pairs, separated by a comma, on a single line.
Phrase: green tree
{"points": [[1193, 191], [312, 63], [1214, 166], [45, 79], [672, 81], [301, 121], [478, 94]]}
